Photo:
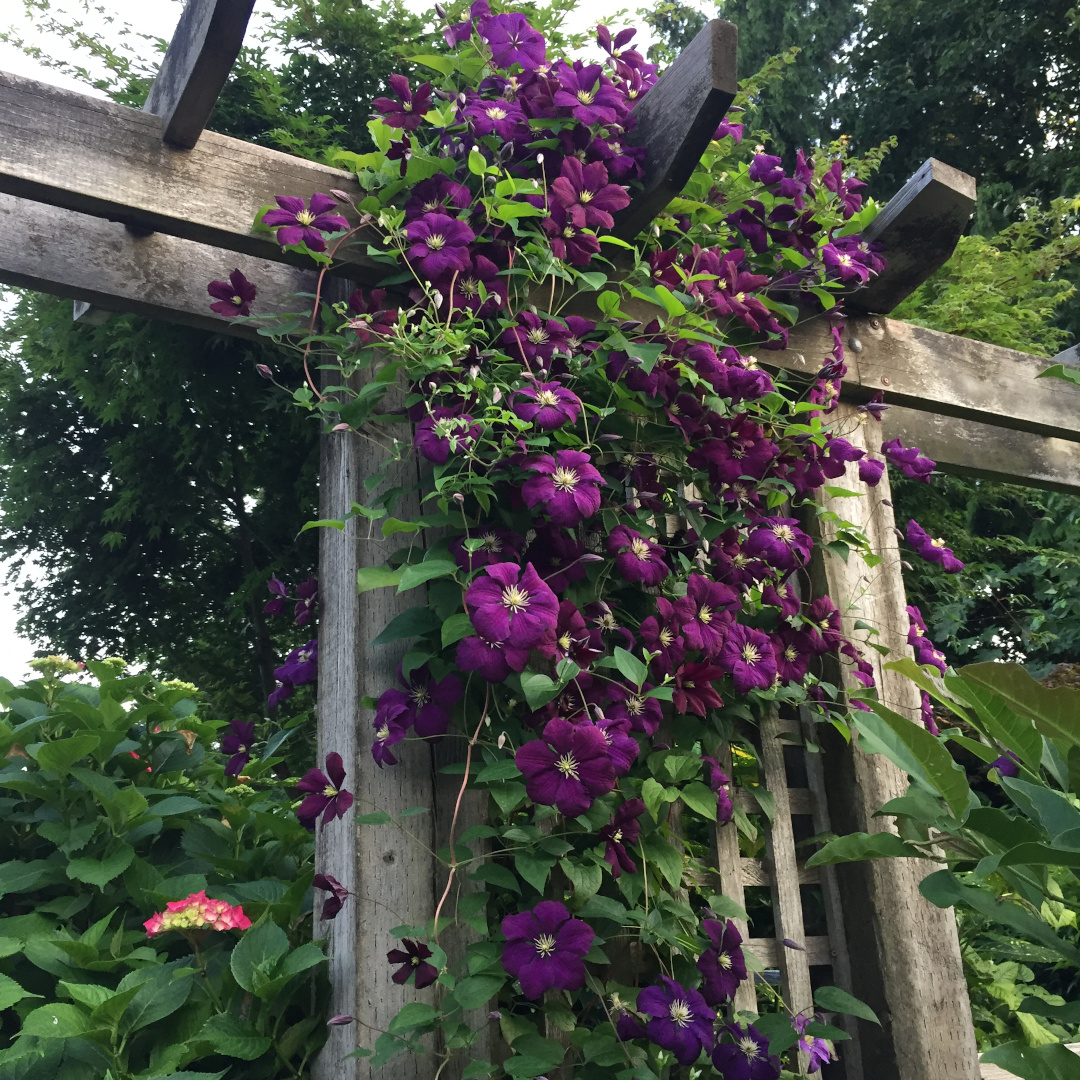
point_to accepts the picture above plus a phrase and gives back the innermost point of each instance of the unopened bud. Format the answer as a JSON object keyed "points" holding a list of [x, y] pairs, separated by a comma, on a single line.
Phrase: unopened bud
{"points": [[539, 159], [609, 437], [339, 1021], [458, 498], [591, 558], [496, 396], [440, 11], [264, 371], [789, 944], [496, 1015], [886, 502], [341, 196], [500, 742], [340, 427]]}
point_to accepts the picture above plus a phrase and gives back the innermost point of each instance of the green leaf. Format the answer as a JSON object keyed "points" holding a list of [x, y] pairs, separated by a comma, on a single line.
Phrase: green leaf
{"points": [[535, 869], [700, 798], [376, 817], [477, 990], [1056, 712], [1060, 371], [585, 877], [100, 872], [234, 1037], [57, 1021], [11, 992], [477, 163], [833, 999], [498, 770], [394, 525], [1069, 1013], [538, 689], [161, 993], [324, 523], [175, 804], [415, 1014], [663, 855], [445, 65], [455, 628], [377, 577], [18, 876], [779, 1031], [258, 953], [630, 667], [1053, 1062], [497, 875], [58, 757], [426, 571], [913, 749], [652, 793], [858, 846], [411, 623]]}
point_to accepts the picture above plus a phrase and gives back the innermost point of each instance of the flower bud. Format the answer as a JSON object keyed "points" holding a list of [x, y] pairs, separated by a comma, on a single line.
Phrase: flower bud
{"points": [[339, 1021], [340, 427], [264, 371], [440, 11], [458, 498], [342, 196], [500, 742]]}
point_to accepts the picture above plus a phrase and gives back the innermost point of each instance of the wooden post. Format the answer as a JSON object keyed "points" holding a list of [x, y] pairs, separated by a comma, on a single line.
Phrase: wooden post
{"points": [[905, 954], [390, 874]]}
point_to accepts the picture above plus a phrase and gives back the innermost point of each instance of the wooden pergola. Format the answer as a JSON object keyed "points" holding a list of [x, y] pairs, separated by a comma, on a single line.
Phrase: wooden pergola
{"points": [[135, 211]]}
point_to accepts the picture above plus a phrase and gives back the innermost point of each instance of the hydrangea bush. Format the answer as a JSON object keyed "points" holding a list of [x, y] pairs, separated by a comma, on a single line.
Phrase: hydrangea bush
{"points": [[620, 501]]}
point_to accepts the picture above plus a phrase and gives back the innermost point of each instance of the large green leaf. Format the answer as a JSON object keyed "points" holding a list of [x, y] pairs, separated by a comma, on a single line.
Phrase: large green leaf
{"points": [[57, 1021], [234, 1037], [100, 872], [857, 846], [1015, 732], [833, 999], [1056, 712], [59, 756], [419, 573], [258, 953], [1049, 808], [1053, 1062], [477, 990], [663, 855], [18, 876], [913, 749], [411, 623], [161, 993], [11, 992]]}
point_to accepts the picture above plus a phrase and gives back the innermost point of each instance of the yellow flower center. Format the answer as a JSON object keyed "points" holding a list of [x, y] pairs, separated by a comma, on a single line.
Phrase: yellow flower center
{"points": [[565, 479], [751, 653], [420, 695], [569, 232], [431, 206], [724, 961], [567, 766], [565, 641], [937, 543], [537, 336], [749, 1047], [415, 961], [586, 96], [305, 217], [492, 543], [791, 654], [680, 1012], [705, 615], [616, 836], [515, 598], [740, 560], [740, 297], [407, 106], [382, 733], [585, 196], [237, 301], [496, 112], [545, 945], [640, 549], [784, 533], [547, 397], [666, 637], [469, 287], [436, 242], [330, 791], [635, 705]]}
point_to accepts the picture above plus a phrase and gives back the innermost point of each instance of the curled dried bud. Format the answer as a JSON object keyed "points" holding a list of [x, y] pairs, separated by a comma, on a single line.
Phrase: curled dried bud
{"points": [[189, 737], [886, 502], [264, 371]]}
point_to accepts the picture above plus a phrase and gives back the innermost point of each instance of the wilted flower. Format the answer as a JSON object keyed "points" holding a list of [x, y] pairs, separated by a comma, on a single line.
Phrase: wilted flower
{"points": [[545, 948], [333, 903], [326, 798]]}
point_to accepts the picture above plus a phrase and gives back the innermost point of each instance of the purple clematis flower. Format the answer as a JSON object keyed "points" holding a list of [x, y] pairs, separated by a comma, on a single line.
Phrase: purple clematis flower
{"points": [[589, 94], [817, 1049], [568, 767], [300, 224], [747, 656], [511, 606], [534, 338], [326, 798], [437, 195], [909, 460], [333, 903], [569, 241], [559, 558], [425, 704], [870, 470], [233, 297], [1007, 765], [719, 782], [369, 318], [783, 597], [496, 545], [779, 542], [439, 244], [444, 432], [307, 596], [746, 1057], [793, 652], [413, 959], [624, 828], [567, 485], [681, 1021], [585, 194], [627, 703], [238, 743], [491, 661], [499, 117], [705, 613], [662, 634], [280, 594], [694, 690], [301, 665], [546, 949], [514, 41], [722, 965], [621, 746], [546, 405], [408, 111], [932, 550], [636, 558]]}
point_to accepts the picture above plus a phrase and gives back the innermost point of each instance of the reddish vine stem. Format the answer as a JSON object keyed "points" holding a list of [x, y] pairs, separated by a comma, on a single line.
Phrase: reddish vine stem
{"points": [[457, 809]]}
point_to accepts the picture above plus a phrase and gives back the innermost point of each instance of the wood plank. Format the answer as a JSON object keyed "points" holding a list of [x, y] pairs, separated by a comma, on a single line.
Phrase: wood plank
{"points": [[1068, 357], [940, 373], [965, 448], [196, 66], [918, 229], [905, 954], [677, 119], [103, 159], [819, 950], [101, 263]]}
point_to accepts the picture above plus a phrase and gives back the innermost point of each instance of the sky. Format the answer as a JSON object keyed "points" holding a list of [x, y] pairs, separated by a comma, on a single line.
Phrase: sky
{"points": [[108, 18]]}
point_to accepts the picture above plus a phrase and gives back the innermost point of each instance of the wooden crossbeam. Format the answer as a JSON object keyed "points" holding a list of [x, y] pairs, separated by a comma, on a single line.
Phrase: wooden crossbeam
{"points": [[677, 119], [95, 157], [918, 229], [196, 67], [940, 373]]}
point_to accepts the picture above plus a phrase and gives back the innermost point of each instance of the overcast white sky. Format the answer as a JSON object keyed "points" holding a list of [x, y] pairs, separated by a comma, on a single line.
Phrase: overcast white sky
{"points": [[107, 18]]}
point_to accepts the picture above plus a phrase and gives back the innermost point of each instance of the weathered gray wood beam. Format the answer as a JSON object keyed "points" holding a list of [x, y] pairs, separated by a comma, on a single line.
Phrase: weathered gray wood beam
{"points": [[967, 448], [1068, 357], [678, 117], [103, 159], [101, 263], [196, 67], [940, 373], [918, 229]]}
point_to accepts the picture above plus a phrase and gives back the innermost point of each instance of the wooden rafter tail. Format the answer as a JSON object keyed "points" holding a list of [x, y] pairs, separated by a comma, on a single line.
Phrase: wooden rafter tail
{"points": [[918, 229], [677, 119], [196, 67], [102, 265], [103, 159]]}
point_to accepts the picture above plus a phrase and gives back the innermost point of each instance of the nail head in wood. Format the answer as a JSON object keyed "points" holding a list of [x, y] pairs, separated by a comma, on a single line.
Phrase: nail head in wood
{"points": [[677, 119]]}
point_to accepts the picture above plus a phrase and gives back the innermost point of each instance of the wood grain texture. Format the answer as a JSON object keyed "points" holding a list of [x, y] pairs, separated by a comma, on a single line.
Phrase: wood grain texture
{"points": [[196, 66], [163, 277], [391, 872], [103, 159], [1069, 357], [918, 229], [966, 448], [677, 119], [904, 951], [819, 951], [940, 373]]}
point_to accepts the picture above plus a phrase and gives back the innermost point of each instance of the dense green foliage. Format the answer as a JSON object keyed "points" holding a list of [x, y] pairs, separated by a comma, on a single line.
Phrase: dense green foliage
{"points": [[113, 803]]}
